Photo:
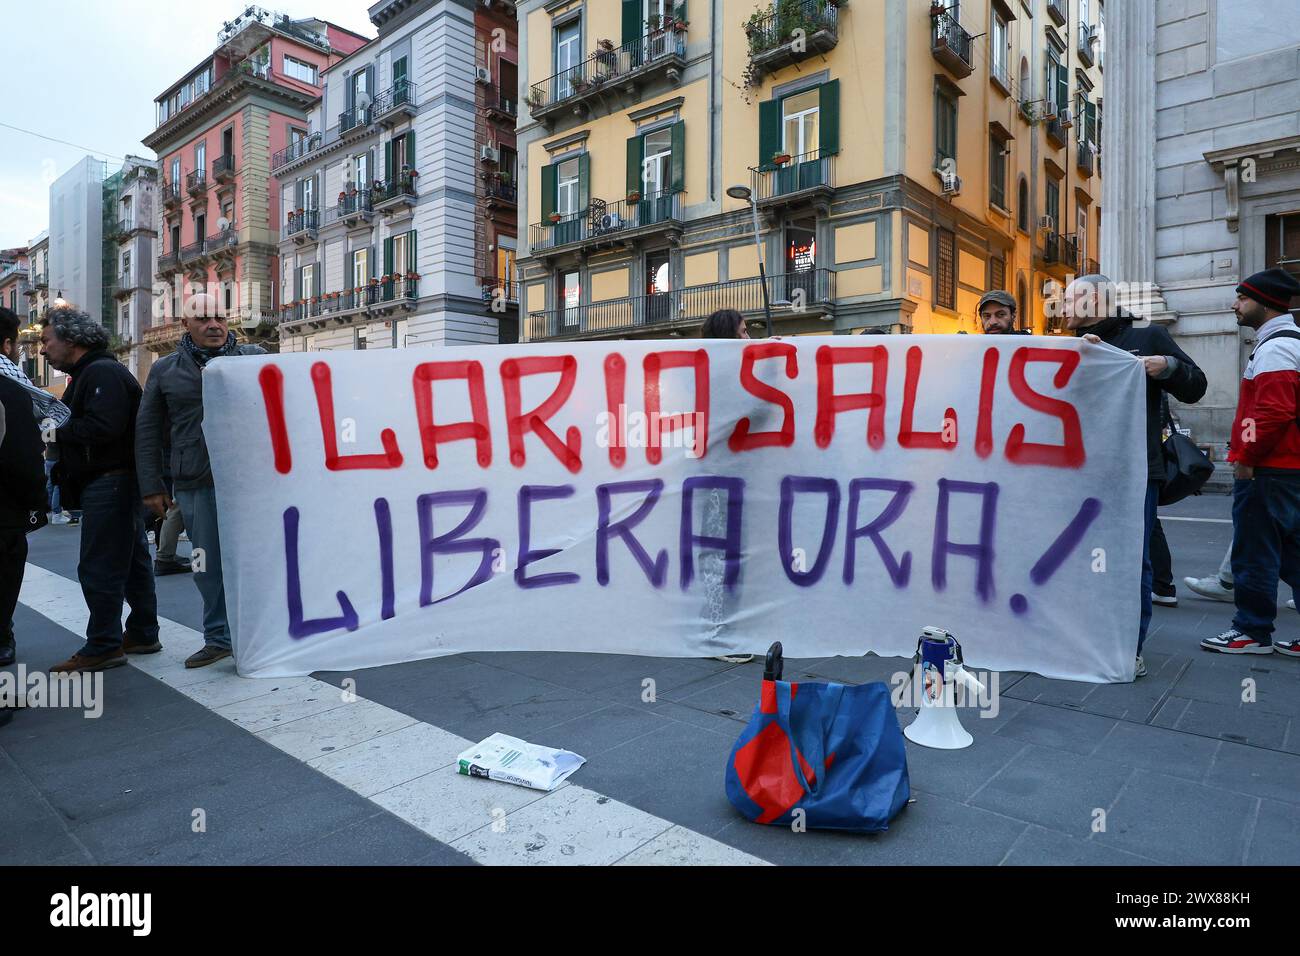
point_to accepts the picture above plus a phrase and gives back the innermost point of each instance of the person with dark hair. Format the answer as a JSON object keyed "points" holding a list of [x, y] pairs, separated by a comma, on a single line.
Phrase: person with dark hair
{"points": [[45, 407], [1265, 455], [96, 471], [23, 481], [725, 324], [997, 312]]}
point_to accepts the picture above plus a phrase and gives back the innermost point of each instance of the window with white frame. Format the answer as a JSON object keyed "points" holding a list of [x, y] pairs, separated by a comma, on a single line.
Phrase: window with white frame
{"points": [[568, 53], [298, 70], [800, 123], [568, 187], [308, 281], [360, 266], [656, 166], [1000, 46]]}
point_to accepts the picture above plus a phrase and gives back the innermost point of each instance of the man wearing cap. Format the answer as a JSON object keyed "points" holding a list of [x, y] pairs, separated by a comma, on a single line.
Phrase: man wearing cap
{"points": [[1091, 312], [997, 312], [1265, 454]]}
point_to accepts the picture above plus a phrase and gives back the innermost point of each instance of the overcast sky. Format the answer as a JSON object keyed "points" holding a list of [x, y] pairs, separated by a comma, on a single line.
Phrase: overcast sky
{"points": [[86, 71]]}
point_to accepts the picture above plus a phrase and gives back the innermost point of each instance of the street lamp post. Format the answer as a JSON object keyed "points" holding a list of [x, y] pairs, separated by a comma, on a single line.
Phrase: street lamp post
{"points": [[745, 193]]}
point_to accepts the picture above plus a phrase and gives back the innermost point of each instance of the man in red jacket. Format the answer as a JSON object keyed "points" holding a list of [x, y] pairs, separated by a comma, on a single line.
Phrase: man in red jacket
{"points": [[1265, 452]]}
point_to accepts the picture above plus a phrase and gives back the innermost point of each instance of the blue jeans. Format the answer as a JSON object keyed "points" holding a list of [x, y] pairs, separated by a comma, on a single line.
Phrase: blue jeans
{"points": [[1265, 547], [51, 489], [115, 565], [1148, 575], [199, 509]]}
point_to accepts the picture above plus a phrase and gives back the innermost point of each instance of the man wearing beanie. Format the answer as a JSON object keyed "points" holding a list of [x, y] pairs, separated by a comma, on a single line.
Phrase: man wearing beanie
{"points": [[1091, 312], [1265, 452]]}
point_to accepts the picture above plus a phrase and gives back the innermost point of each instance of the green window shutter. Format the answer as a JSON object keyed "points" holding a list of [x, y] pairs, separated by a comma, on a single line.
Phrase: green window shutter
{"points": [[631, 20], [548, 193], [679, 10], [584, 180], [388, 162], [635, 157], [370, 263], [410, 252], [388, 256], [1062, 86], [410, 147], [399, 71], [769, 131], [677, 163], [829, 108]]}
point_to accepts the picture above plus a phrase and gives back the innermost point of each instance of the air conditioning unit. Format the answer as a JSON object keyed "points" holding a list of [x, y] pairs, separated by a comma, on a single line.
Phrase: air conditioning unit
{"points": [[951, 183], [483, 75], [610, 222], [488, 153], [1066, 119], [1047, 224]]}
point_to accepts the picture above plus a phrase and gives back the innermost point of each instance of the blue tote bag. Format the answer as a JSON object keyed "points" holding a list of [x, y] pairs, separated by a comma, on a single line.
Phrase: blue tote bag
{"points": [[834, 751]]}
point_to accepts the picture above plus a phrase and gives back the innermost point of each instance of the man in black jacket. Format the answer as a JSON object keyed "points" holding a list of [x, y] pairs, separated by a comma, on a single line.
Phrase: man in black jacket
{"points": [[22, 478], [1091, 312], [96, 469]]}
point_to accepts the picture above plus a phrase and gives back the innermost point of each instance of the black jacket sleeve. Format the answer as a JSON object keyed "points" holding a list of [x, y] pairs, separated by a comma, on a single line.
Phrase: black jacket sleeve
{"points": [[1188, 383], [22, 471], [107, 408]]}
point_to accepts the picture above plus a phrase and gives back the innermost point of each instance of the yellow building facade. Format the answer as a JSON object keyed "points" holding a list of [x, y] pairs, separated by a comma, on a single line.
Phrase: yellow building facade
{"points": [[900, 158]]}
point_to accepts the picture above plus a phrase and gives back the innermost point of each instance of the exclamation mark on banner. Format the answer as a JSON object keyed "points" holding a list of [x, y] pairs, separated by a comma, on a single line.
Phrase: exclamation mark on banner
{"points": [[1060, 549]]}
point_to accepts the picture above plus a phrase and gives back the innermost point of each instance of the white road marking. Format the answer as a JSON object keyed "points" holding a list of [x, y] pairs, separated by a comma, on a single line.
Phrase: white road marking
{"points": [[402, 764], [1203, 520]]}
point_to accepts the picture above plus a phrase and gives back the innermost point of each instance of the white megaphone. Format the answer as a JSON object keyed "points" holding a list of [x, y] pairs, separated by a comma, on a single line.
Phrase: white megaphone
{"points": [[938, 659]]}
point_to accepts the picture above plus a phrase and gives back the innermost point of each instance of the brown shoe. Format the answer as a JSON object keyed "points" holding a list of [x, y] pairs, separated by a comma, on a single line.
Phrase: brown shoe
{"points": [[209, 655], [80, 663], [133, 645]]}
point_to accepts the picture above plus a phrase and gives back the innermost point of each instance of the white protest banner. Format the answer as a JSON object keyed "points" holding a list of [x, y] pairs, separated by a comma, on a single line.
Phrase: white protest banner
{"points": [[683, 498]]}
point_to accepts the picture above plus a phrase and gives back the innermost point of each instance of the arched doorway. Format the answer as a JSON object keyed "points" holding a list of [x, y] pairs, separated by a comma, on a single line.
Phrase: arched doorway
{"points": [[1022, 304]]}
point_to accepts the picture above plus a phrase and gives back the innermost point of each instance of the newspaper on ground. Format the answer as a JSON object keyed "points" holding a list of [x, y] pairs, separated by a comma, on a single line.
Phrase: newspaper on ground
{"points": [[511, 760]]}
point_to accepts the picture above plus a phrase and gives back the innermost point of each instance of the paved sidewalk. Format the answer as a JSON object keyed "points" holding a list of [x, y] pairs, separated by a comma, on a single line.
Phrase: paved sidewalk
{"points": [[286, 771]]}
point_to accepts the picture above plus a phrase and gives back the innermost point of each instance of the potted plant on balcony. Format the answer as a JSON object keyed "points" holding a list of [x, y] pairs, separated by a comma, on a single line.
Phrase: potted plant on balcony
{"points": [[633, 196], [680, 23], [534, 99], [937, 8], [555, 217], [780, 158], [343, 196], [412, 277], [605, 45]]}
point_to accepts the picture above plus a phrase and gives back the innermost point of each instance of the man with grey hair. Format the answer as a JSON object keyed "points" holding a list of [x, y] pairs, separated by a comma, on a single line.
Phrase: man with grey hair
{"points": [[96, 468], [171, 414], [1092, 312]]}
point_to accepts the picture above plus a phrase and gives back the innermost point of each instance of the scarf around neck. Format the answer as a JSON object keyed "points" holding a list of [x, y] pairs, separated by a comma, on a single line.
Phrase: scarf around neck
{"points": [[201, 355]]}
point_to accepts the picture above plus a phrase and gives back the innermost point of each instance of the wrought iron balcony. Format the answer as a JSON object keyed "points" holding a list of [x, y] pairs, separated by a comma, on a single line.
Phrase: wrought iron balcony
{"points": [[124, 285], [1083, 158], [302, 226], [604, 223], [306, 145], [394, 104], [801, 178], [792, 31], [193, 252], [951, 44], [196, 182], [395, 194], [1060, 250], [501, 193], [809, 293], [223, 169], [169, 262], [162, 338], [497, 289], [40, 280], [1086, 37], [622, 68], [171, 194], [1057, 128], [502, 106], [1059, 10], [222, 243], [354, 208], [353, 119], [398, 294]]}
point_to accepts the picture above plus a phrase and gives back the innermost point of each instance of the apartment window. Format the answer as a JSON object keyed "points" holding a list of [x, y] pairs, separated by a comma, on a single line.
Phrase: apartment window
{"points": [[308, 282], [570, 296], [360, 267], [1081, 235], [568, 187], [1052, 207], [1282, 244], [399, 334], [945, 124], [126, 264], [1083, 11], [997, 273], [999, 48], [1058, 82], [124, 320], [360, 85], [568, 53], [359, 337], [800, 123], [945, 273], [505, 271], [1101, 33], [309, 193], [998, 149], [1022, 205], [176, 171], [201, 158], [656, 166], [298, 70]]}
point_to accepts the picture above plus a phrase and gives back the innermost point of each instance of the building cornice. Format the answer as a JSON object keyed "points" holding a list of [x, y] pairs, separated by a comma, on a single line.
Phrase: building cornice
{"points": [[223, 95]]}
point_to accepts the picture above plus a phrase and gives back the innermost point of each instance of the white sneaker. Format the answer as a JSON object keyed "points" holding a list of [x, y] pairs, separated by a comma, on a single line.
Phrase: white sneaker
{"points": [[1232, 641], [185, 537], [1291, 604], [59, 519], [1141, 669], [734, 658], [1210, 587]]}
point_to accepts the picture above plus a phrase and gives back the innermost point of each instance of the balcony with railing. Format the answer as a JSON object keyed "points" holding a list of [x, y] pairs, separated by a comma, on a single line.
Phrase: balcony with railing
{"points": [[396, 103], [808, 293], [302, 226], [170, 194], [1087, 36], [223, 169], [792, 31], [162, 337], [124, 285], [379, 297], [355, 118], [798, 179], [612, 70], [193, 252], [1084, 159], [169, 262], [40, 280], [1058, 127], [603, 223], [500, 192], [502, 106], [497, 289], [196, 182], [396, 195], [951, 44], [352, 208], [1061, 251], [222, 244], [1059, 10], [297, 150]]}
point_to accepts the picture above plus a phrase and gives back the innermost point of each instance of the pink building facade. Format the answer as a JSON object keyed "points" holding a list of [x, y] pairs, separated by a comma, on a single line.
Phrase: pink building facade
{"points": [[218, 219]]}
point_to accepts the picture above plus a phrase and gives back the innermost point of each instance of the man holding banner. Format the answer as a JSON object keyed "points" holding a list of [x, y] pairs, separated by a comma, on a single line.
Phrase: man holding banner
{"points": [[1091, 312], [174, 395]]}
